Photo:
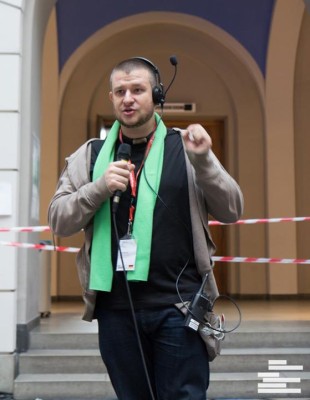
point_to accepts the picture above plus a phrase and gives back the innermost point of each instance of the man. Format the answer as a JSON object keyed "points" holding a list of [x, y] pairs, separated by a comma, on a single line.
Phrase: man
{"points": [[168, 188]]}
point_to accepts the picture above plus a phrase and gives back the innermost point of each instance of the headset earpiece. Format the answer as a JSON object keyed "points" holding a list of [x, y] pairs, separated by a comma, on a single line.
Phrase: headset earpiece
{"points": [[158, 93]]}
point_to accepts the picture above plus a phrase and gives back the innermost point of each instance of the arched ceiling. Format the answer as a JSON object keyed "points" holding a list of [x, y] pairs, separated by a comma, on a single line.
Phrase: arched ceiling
{"points": [[247, 21]]}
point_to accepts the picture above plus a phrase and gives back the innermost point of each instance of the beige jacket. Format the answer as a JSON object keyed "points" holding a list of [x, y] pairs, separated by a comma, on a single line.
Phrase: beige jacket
{"points": [[211, 191]]}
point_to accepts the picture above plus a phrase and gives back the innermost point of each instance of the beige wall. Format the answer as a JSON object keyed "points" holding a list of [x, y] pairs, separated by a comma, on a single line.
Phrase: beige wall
{"points": [[50, 132], [302, 146]]}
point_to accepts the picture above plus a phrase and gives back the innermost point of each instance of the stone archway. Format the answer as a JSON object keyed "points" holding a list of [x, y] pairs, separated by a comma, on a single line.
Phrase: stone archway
{"points": [[226, 82]]}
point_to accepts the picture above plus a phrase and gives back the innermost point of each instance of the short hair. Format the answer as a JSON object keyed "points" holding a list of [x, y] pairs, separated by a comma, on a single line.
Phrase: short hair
{"points": [[134, 63]]}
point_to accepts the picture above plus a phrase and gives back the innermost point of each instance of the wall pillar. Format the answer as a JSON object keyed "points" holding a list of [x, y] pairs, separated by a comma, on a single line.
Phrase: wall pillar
{"points": [[281, 190], [10, 65], [22, 26]]}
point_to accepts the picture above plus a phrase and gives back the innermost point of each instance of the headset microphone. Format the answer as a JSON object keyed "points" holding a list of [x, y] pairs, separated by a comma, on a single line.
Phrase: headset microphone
{"points": [[158, 92], [174, 62], [123, 154]]}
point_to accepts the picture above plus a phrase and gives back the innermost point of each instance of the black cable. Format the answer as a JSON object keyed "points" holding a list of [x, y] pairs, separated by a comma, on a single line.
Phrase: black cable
{"points": [[132, 310], [183, 269], [203, 322], [237, 307], [165, 205], [173, 78]]}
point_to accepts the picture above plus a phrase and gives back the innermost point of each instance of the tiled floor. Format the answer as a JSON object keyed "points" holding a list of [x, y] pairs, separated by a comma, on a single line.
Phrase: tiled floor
{"points": [[252, 310], [280, 314]]}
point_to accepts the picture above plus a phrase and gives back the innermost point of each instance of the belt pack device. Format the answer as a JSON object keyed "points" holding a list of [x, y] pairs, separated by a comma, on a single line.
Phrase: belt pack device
{"points": [[198, 307]]}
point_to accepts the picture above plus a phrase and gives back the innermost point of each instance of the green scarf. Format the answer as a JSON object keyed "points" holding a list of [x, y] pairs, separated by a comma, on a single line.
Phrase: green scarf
{"points": [[101, 272]]}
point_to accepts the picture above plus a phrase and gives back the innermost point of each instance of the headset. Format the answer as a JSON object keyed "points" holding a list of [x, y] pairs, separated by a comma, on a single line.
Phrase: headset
{"points": [[158, 93]]}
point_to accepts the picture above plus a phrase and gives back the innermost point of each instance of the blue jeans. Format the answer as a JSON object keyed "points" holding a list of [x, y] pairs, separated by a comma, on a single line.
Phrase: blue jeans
{"points": [[176, 357]]}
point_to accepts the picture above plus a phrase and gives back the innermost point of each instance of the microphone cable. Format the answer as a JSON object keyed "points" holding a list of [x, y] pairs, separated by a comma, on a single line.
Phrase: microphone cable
{"points": [[203, 322], [131, 306], [206, 324], [174, 62]]}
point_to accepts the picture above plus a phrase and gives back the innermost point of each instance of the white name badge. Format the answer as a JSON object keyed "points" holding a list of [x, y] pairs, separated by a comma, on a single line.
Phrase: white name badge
{"points": [[128, 248]]}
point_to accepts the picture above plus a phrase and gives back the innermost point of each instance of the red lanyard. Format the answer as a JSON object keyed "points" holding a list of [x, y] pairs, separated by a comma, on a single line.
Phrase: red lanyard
{"points": [[133, 179]]}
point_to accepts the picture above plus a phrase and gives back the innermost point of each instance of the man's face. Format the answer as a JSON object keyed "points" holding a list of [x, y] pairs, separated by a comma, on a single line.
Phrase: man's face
{"points": [[131, 96]]}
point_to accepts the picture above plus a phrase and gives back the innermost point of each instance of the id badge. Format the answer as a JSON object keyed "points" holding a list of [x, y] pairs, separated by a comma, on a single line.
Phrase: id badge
{"points": [[128, 248]]}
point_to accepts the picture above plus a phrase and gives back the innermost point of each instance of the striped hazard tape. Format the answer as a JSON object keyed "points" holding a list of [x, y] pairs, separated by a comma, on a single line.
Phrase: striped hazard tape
{"points": [[261, 260], [240, 222], [215, 258]]}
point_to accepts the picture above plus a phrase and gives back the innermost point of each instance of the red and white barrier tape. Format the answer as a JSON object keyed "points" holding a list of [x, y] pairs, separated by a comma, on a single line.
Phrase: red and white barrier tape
{"points": [[40, 246], [240, 222], [215, 258], [27, 229], [261, 260], [262, 221]]}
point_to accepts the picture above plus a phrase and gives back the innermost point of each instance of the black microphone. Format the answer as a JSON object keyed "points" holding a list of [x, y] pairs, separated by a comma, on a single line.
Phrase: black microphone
{"points": [[123, 154], [174, 62]]}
